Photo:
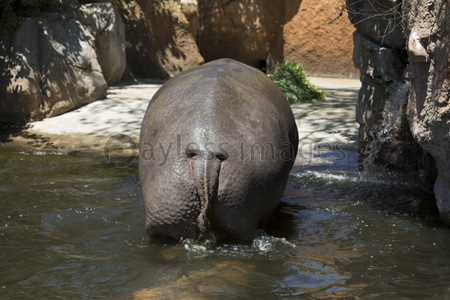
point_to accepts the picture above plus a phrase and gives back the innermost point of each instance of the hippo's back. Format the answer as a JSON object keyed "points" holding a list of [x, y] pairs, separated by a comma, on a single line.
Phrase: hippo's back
{"points": [[222, 110]]}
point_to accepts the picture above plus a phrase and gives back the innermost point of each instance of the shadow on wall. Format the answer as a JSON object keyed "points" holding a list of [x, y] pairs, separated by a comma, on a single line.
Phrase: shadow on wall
{"points": [[159, 42], [49, 66], [248, 31], [10, 61]]}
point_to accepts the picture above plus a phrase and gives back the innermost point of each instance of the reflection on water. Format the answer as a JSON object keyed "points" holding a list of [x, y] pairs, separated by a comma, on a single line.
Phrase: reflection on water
{"points": [[72, 227]]}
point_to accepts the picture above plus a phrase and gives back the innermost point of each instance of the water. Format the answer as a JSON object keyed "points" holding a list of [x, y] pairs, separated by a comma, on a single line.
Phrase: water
{"points": [[72, 227], [390, 142]]}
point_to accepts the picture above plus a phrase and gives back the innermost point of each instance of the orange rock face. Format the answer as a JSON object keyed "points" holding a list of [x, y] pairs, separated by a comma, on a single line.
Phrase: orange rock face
{"points": [[323, 48]]}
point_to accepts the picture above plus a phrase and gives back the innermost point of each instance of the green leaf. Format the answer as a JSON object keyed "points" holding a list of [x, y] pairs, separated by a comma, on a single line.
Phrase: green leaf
{"points": [[291, 79]]}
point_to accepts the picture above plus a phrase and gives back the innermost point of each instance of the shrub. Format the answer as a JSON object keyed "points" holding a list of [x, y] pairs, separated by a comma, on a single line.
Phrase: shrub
{"points": [[291, 79]]}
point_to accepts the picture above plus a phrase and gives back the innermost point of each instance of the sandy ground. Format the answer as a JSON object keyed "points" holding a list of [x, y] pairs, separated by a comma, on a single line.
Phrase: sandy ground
{"points": [[329, 122], [323, 126]]}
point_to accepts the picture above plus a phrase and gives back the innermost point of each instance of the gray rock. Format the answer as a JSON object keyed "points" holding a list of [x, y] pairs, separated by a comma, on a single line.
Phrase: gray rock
{"points": [[380, 21], [49, 67], [376, 61], [428, 32], [20, 87], [384, 136], [60, 60], [109, 33]]}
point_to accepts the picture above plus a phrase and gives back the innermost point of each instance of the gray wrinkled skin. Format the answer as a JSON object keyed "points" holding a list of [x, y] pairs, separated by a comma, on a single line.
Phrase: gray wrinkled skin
{"points": [[200, 166]]}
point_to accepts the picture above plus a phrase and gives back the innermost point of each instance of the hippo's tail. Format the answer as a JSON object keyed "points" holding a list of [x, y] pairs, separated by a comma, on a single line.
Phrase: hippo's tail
{"points": [[205, 171]]}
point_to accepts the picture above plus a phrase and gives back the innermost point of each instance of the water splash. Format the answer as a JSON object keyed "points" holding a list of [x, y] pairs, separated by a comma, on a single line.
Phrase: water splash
{"points": [[382, 132], [263, 244], [266, 243]]}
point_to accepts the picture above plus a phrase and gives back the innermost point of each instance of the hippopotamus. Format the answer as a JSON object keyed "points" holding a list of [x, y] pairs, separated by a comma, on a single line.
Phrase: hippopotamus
{"points": [[217, 144]]}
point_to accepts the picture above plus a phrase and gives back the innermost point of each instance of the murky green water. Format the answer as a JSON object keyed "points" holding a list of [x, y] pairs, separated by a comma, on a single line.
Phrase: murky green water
{"points": [[72, 227]]}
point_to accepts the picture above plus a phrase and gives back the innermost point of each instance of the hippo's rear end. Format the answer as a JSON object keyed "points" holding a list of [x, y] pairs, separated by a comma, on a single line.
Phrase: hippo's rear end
{"points": [[216, 147]]}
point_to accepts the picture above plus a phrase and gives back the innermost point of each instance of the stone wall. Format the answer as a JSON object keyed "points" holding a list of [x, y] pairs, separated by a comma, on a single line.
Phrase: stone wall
{"points": [[258, 31], [160, 41], [404, 105], [385, 140], [59, 60], [427, 30], [165, 38]]}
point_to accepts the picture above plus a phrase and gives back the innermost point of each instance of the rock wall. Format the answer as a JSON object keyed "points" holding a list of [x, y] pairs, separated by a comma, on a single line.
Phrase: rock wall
{"points": [[320, 38], [109, 33], [167, 37], [410, 88], [427, 29], [160, 42], [50, 65], [249, 31], [385, 140], [190, 11], [264, 31]]}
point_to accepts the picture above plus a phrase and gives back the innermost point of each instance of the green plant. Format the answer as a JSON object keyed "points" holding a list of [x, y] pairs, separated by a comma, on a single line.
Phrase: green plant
{"points": [[291, 79], [13, 11]]}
